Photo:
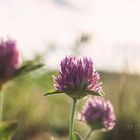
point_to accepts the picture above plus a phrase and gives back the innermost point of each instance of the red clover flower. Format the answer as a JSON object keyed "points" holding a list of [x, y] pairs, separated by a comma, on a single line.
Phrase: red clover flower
{"points": [[9, 59], [77, 78], [98, 113]]}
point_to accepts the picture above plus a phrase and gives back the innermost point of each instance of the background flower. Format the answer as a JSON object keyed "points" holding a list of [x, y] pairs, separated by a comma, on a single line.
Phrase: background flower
{"points": [[98, 113], [9, 59]]}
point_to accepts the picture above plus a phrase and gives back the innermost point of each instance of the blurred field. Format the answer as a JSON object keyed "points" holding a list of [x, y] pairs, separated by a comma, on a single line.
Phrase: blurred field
{"points": [[40, 117]]}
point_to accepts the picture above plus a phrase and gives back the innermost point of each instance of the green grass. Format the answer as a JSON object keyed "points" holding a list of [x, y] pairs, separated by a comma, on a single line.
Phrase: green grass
{"points": [[39, 117]]}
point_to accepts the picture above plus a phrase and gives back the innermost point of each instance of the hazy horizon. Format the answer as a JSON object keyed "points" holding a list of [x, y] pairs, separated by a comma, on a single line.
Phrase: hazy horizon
{"points": [[113, 25]]}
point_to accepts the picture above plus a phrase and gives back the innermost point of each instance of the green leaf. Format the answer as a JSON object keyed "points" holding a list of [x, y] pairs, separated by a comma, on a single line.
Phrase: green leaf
{"points": [[52, 92], [76, 136], [28, 67], [7, 129]]}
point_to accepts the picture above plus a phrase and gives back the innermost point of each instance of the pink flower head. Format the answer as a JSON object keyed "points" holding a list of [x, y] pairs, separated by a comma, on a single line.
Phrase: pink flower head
{"points": [[77, 77], [9, 59], [98, 113]]}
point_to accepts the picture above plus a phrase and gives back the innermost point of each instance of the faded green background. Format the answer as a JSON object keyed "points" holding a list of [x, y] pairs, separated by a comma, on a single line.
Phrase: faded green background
{"points": [[41, 117]]}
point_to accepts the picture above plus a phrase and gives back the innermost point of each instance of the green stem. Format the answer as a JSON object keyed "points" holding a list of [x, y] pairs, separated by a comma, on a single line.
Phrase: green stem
{"points": [[1, 104], [71, 127], [88, 135]]}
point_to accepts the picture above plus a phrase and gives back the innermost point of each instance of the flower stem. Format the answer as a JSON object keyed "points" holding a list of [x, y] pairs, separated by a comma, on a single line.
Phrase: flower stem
{"points": [[71, 127], [1, 104], [88, 135]]}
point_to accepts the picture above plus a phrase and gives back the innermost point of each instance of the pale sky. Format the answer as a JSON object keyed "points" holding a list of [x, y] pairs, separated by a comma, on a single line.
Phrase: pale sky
{"points": [[114, 25]]}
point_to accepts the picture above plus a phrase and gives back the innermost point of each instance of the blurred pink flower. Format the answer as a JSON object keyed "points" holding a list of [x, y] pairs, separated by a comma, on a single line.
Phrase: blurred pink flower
{"points": [[98, 113], [9, 59]]}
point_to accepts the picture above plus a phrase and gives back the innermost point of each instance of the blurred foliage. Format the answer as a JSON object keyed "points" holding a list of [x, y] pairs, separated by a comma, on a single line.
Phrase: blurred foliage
{"points": [[40, 117], [81, 41], [30, 65], [7, 129]]}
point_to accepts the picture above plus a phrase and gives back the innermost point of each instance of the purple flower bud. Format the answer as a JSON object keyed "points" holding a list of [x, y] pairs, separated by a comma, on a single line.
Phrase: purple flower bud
{"points": [[9, 59], [98, 113], [77, 77]]}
